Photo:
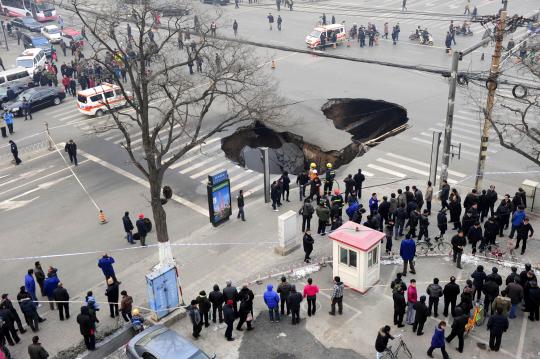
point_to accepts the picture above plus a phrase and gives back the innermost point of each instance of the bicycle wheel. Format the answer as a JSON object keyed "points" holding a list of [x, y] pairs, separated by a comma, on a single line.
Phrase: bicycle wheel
{"points": [[406, 350], [388, 354], [444, 248], [422, 248]]}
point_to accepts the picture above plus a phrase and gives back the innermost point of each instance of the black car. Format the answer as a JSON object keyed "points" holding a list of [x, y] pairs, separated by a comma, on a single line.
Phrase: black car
{"points": [[38, 97], [216, 2], [27, 22], [15, 88]]}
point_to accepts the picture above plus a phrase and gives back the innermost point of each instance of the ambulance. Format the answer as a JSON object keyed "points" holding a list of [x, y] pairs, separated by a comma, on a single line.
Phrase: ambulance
{"points": [[97, 100], [333, 33]]}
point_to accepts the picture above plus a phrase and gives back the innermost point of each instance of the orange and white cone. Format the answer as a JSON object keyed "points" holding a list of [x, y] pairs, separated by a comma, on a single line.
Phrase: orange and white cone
{"points": [[101, 217], [274, 63]]}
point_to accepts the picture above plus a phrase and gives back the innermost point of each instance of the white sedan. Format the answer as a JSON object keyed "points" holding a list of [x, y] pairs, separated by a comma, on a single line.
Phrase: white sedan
{"points": [[52, 33]]}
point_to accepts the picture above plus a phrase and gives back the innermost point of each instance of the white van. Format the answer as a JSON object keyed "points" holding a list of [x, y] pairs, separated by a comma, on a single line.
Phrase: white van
{"points": [[31, 59], [16, 74], [97, 100]]}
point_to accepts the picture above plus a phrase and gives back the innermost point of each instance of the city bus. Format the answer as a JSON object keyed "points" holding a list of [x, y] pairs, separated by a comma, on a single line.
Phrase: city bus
{"points": [[38, 9]]}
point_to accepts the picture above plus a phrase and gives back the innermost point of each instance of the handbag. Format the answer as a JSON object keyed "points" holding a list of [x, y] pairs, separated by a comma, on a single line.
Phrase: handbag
{"points": [[249, 317]]}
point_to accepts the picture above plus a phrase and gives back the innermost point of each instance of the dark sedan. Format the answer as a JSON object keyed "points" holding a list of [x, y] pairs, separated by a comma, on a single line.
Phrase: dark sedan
{"points": [[38, 97], [10, 91], [27, 22]]}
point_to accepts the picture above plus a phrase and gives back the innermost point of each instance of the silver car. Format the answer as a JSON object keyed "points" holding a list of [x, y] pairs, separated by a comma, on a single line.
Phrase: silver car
{"points": [[159, 342]]}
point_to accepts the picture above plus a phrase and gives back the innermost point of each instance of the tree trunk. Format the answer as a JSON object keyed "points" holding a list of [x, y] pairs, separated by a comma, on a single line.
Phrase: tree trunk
{"points": [[160, 219]]}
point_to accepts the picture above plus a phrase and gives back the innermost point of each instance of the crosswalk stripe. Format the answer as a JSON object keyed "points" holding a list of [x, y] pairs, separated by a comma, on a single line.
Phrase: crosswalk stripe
{"points": [[197, 165], [461, 123], [463, 144], [403, 167], [208, 152], [459, 129], [246, 182], [222, 164], [71, 117], [230, 170], [369, 174], [467, 118], [473, 139], [386, 170], [424, 164]]}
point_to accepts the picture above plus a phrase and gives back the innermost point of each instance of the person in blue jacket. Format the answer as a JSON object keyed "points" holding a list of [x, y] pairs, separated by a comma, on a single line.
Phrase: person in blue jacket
{"points": [[517, 220], [51, 283], [271, 299], [437, 341], [106, 265], [407, 251], [373, 203], [30, 284]]}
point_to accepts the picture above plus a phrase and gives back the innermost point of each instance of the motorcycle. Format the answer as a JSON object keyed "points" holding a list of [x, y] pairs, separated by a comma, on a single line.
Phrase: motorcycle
{"points": [[428, 41], [414, 36]]}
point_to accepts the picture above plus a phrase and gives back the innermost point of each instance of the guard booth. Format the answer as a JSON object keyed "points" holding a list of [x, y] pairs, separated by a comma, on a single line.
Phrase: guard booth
{"points": [[356, 255]]}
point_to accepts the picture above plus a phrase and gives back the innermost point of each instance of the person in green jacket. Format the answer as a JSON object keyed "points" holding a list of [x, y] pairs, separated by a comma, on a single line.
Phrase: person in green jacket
{"points": [[323, 213]]}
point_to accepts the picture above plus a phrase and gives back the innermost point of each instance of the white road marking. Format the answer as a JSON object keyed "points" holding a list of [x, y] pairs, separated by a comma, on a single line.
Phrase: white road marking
{"points": [[424, 164], [463, 144], [210, 169], [207, 152], [196, 165], [139, 180], [386, 170], [403, 167], [245, 183]]}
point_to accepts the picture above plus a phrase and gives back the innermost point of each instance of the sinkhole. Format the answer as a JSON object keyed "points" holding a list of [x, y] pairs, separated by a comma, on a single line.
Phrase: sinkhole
{"points": [[367, 122]]}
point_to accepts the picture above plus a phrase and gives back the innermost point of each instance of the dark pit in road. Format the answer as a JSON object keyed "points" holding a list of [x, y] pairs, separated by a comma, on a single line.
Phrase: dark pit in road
{"points": [[364, 119]]}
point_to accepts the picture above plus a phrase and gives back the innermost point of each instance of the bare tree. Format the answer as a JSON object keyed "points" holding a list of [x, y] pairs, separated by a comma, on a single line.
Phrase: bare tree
{"points": [[174, 110]]}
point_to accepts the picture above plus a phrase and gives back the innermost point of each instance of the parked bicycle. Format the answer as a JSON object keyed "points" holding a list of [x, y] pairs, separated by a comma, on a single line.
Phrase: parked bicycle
{"points": [[402, 347], [426, 246]]}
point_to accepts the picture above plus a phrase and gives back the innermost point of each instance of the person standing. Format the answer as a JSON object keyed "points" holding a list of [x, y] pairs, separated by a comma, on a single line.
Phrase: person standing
{"points": [[421, 315], [30, 284], [112, 294], [438, 341], [196, 319], [279, 22], [323, 213], [240, 204], [87, 328], [308, 246], [271, 299], [523, 231], [307, 213], [359, 179], [310, 293], [434, 291], [381, 343], [217, 299], [14, 151], [231, 293], [423, 223], [71, 149], [458, 243], [229, 316], [450, 294], [26, 109], [404, 5], [244, 312], [515, 292], [429, 197], [442, 223], [51, 283], [106, 265], [284, 289], [204, 307], [478, 276], [40, 276], [399, 307], [29, 309], [474, 235], [61, 297], [36, 350], [8, 119], [497, 325], [458, 328], [502, 301], [7, 304], [126, 306], [270, 18], [337, 296], [407, 251], [128, 227], [534, 301], [141, 229], [235, 28], [293, 302], [412, 298]]}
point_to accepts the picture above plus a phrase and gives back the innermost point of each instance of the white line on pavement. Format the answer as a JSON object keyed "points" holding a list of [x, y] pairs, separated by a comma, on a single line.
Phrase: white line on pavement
{"points": [[210, 169], [386, 170], [245, 183], [139, 180], [197, 165], [424, 164], [403, 167], [464, 144]]}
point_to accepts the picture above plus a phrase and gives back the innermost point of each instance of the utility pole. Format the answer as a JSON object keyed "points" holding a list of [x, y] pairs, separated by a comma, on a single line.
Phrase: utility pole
{"points": [[491, 85]]}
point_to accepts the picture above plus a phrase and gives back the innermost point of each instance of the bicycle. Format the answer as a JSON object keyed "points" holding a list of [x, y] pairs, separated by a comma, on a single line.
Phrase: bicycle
{"points": [[426, 245], [389, 354], [476, 317]]}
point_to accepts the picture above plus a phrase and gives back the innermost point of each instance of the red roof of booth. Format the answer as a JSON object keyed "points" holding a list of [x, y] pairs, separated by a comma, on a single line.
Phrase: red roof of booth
{"points": [[357, 236]]}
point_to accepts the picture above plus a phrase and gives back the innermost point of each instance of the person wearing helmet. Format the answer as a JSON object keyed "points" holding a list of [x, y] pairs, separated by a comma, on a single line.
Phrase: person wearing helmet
{"points": [[137, 321], [141, 228], [315, 189], [312, 171], [329, 179]]}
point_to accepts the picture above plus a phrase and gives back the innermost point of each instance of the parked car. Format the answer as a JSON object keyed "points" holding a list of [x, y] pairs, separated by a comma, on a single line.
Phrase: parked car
{"points": [[27, 22], [32, 59], [35, 41], [52, 33], [160, 342], [216, 2], [16, 87], [38, 97], [177, 10], [15, 74]]}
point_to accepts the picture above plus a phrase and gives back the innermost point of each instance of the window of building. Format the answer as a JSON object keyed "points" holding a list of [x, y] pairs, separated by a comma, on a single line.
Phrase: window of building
{"points": [[373, 257], [348, 257]]}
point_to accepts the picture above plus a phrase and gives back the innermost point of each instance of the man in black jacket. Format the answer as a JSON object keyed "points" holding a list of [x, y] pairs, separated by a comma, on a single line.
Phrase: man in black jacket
{"points": [[450, 293], [231, 293], [414, 217], [399, 307], [497, 325], [475, 235], [7, 304], [87, 327], [359, 178], [421, 315], [217, 299], [8, 328], [128, 227], [445, 193], [204, 307], [71, 149], [294, 301], [141, 229], [284, 289], [423, 223], [458, 328], [458, 243], [492, 199], [61, 296], [534, 301], [229, 316], [308, 246], [381, 343], [113, 293]]}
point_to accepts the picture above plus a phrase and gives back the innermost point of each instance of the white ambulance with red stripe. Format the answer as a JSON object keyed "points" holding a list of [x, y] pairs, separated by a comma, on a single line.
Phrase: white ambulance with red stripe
{"points": [[98, 100]]}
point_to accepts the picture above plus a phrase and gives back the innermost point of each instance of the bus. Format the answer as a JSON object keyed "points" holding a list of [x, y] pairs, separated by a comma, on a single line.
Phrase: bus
{"points": [[38, 9]]}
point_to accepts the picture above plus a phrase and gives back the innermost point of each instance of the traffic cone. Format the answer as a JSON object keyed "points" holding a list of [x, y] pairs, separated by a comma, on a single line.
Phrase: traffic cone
{"points": [[273, 64], [101, 217]]}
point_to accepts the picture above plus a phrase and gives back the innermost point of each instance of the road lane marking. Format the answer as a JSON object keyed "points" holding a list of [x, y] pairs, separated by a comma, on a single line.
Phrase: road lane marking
{"points": [[386, 170], [403, 167]]}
